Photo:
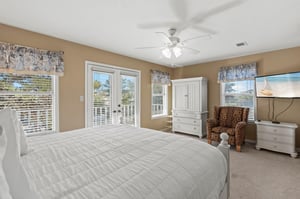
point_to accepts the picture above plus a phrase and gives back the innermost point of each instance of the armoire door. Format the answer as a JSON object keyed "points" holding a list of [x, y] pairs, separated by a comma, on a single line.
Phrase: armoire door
{"points": [[193, 96], [180, 96]]}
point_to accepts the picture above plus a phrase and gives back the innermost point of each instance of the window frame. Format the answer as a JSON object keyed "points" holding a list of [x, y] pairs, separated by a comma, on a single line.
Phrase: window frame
{"points": [[222, 98], [55, 101], [165, 101]]}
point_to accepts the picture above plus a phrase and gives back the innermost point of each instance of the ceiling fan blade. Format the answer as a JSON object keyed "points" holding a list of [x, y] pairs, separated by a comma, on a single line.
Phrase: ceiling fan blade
{"points": [[219, 9], [204, 29], [153, 25], [179, 8], [202, 16], [149, 47], [191, 50], [199, 37], [166, 37]]}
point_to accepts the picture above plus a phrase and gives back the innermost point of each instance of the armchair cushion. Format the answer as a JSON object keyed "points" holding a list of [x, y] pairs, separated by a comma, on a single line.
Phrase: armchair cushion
{"points": [[221, 129]]}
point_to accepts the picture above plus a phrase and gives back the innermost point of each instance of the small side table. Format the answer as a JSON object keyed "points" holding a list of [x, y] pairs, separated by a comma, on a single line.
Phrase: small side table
{"points": [[276, 137]]}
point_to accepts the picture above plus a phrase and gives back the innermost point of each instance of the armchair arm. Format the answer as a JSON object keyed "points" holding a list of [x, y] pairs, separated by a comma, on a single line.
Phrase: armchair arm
{"points": [[240, 132]]}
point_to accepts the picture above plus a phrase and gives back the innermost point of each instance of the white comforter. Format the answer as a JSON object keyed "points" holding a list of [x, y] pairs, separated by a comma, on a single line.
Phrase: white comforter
{"points": [[122, 162]]}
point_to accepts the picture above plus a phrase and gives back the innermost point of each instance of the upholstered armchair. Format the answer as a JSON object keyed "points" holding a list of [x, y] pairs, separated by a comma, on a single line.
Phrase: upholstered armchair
{"points": [[229, 119]]}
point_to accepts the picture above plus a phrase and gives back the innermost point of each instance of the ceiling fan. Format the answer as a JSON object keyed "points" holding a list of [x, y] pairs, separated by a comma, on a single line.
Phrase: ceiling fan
{"points": [[179, 8], [174, 46]]}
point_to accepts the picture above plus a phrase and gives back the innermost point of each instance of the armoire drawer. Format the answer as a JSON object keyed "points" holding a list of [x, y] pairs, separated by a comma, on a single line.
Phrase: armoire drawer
{"points": [[186, 120], [187, 114], [185, 128]]}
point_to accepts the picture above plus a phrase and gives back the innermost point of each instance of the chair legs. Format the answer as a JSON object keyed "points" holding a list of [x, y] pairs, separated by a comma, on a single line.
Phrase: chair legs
{"points": [[238, 148]]}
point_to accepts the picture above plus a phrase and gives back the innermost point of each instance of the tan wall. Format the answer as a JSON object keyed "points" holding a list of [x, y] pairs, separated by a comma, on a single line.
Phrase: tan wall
{"points": [[72, 84], [280, 61]]}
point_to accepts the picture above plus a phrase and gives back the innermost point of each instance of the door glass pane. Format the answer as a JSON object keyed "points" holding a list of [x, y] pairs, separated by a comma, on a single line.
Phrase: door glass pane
{"points": [[102, 98], [128, 99]]}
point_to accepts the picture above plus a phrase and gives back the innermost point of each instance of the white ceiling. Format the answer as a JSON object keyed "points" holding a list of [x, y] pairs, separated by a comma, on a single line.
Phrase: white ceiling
{"points": [[120, 26]]}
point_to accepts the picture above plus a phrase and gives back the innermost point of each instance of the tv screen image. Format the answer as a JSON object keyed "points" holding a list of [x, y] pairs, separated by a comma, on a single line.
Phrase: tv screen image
{"points": [[280, 85]]}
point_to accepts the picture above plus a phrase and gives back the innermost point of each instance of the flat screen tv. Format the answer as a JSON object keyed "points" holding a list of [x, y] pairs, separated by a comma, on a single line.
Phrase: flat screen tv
{"points": [[278, 86]]}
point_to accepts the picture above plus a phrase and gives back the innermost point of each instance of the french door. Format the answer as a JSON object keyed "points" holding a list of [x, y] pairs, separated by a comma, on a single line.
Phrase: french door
{"points": [[112, 95]]}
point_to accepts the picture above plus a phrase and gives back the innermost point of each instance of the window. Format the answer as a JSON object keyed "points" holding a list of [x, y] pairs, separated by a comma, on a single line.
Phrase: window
{"points": [[34, 99], [239, 93], [159, 100]]}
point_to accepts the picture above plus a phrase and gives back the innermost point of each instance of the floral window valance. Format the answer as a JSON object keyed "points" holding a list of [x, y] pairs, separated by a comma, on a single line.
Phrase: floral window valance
{"points": [[237, 73], [27, 60], [160, 77]]}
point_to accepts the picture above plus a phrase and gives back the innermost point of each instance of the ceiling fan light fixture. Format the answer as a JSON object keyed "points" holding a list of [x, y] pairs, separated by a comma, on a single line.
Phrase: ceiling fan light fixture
{"points": [[177, 51], [167, 53]]}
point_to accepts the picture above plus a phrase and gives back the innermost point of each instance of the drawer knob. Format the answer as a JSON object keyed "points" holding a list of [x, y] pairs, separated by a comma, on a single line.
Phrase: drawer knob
{"points": [[274, 146], [275, 138], [194, 121]]}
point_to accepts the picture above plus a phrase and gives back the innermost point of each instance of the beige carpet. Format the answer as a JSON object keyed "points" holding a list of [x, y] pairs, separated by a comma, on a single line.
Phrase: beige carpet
{"points": [[263, 174]]}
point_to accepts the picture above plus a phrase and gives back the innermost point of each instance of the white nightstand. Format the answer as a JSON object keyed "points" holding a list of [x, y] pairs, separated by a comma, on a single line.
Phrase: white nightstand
{"points": [[276, 137]]}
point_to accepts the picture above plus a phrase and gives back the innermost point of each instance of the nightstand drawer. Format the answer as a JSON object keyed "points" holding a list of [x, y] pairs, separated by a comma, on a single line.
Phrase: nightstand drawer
{"points": [[275, 146], [275, 138], [275, 130]]}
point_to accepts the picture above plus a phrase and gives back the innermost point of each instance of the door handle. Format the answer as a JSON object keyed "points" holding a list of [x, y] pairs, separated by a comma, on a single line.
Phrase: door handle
{"points": [[114, 111]]}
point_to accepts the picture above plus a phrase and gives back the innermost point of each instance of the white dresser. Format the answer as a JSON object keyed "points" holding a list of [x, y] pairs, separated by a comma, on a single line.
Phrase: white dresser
{"points": [[276, 137], [189, 105]]}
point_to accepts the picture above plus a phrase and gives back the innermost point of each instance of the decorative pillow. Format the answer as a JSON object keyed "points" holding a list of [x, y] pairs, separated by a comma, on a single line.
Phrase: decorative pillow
{"points": [[15, 174], [4, 189]]}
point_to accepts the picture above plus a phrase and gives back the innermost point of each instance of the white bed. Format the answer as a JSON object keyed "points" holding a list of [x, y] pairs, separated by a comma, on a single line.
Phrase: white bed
{"points": [[113, 162]]}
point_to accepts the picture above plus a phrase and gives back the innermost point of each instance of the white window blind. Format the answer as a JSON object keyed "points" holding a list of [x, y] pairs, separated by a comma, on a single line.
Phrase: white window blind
{"points": [[33, 97]]}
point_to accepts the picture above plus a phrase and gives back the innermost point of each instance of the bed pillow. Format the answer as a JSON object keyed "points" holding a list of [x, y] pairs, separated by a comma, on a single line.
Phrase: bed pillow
{"points": [[23, 139], [22, 145], [14, 172], [4, 189]]}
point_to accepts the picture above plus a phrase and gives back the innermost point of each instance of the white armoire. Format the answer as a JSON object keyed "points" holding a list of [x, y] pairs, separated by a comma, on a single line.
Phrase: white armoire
{"points": [[189, 105]]}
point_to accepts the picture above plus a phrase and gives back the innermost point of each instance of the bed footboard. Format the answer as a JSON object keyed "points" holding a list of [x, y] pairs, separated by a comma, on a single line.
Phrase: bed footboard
{"points": [[224, 148]]}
